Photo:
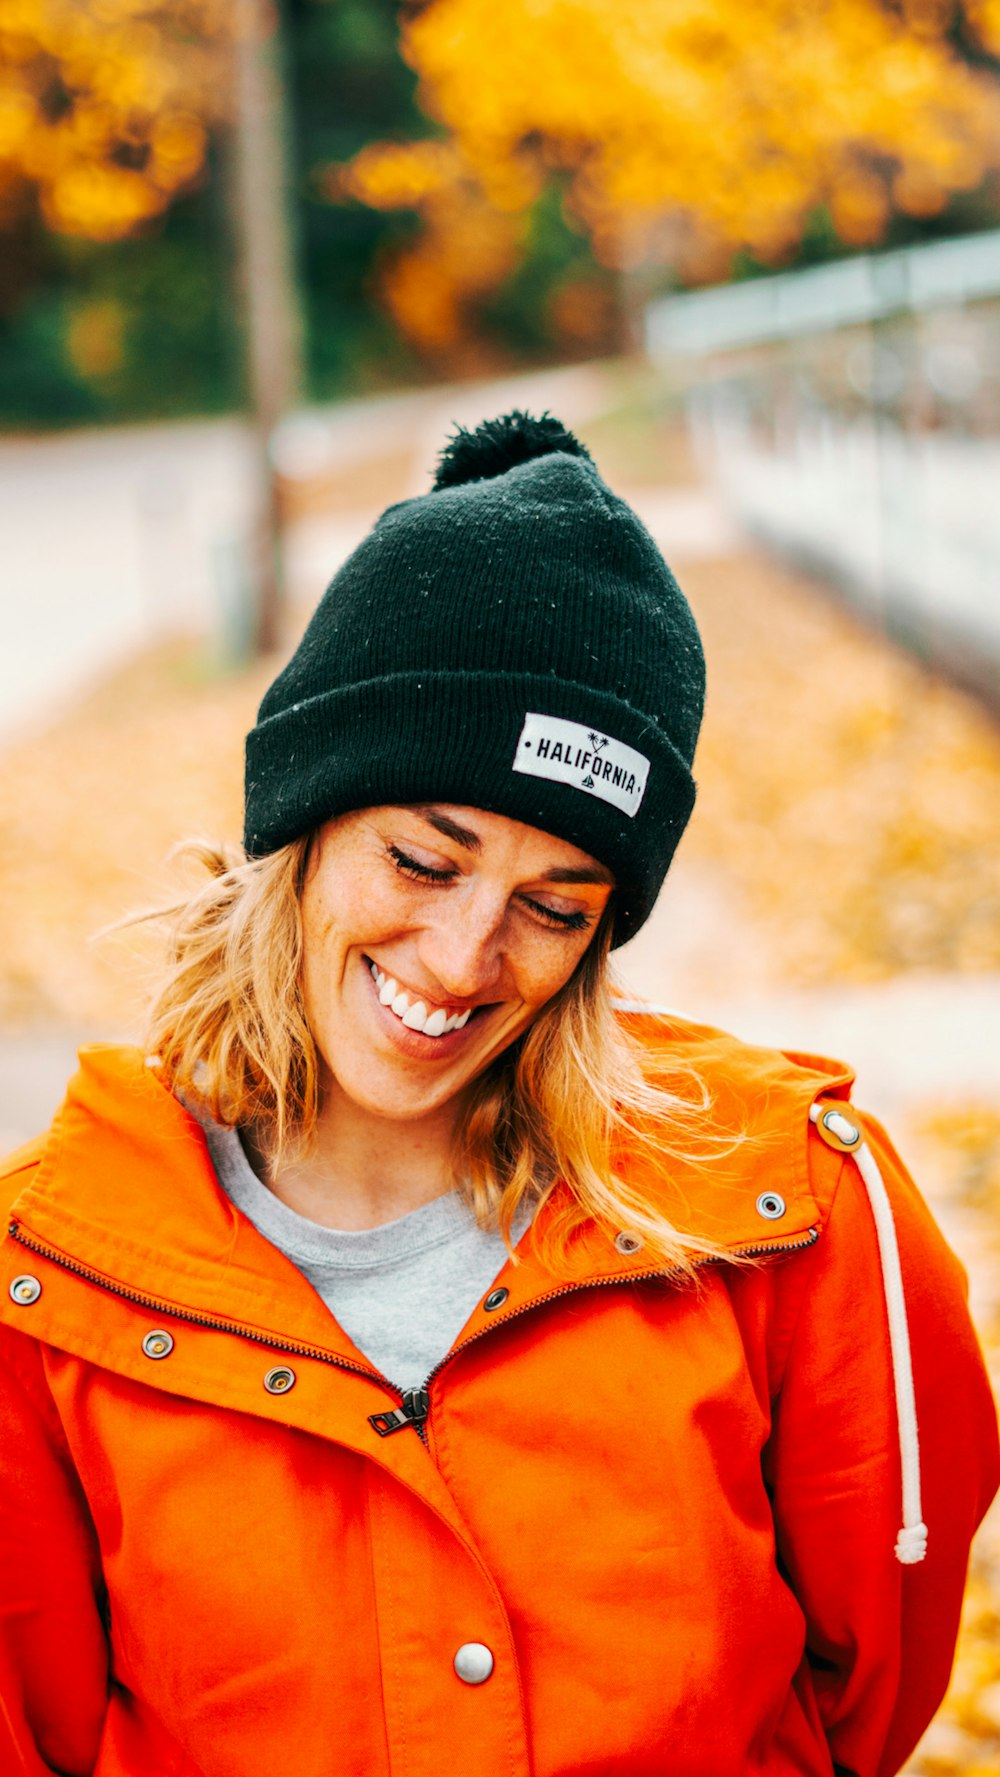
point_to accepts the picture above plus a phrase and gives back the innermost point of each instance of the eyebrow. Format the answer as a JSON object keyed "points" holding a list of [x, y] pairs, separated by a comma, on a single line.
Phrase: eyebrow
{"points": [[598, 874], [462, 836], [470, 841]]}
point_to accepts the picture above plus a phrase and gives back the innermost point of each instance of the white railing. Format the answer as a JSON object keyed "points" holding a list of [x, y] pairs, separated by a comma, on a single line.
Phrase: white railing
{"points": [[850, 415]]}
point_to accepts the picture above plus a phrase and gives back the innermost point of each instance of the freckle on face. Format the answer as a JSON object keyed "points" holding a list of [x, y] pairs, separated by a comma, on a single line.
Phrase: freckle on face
{"points": [[476, 939]]}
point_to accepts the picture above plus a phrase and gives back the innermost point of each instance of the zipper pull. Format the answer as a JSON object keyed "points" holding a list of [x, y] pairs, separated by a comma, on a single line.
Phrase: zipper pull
{"points": [[415, 1406]]}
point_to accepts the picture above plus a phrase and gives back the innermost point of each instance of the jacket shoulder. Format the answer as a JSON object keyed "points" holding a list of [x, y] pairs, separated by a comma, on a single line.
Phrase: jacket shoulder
{"points": [[747, 1165], [730, 1068]]}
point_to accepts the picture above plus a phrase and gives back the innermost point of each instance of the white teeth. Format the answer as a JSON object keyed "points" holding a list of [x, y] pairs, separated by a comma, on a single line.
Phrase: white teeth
{"points": [[416, 1016]]}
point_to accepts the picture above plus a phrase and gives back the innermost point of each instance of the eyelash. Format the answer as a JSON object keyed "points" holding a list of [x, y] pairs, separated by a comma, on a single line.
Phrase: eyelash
{"points": [[563, 922], [408, 866]]}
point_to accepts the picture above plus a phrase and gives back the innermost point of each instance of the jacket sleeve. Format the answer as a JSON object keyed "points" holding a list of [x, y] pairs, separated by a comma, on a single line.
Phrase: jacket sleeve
{"points": [[880, 1636], [53, 1648]]}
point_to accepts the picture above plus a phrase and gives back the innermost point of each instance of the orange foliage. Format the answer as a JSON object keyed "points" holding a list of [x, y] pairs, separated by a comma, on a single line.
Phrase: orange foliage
{"points": [[733, 118], [984, 15], [467, 248], [104, 106]]}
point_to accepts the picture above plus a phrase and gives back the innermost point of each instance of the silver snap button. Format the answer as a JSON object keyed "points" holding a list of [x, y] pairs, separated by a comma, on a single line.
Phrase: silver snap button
{"points": [[842, 1128], [628, 1243], [473, 1662], [279, 1381], [495, 1299], [771, 1206], [24, 1290], [158, 1344]]}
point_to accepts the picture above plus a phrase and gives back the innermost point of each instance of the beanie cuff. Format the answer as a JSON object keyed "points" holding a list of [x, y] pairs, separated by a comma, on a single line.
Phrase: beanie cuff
{"points": [[452, 737]]}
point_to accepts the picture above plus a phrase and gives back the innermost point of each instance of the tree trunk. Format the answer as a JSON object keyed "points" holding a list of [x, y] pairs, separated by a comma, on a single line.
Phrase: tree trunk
{"points": [[271, 318]]}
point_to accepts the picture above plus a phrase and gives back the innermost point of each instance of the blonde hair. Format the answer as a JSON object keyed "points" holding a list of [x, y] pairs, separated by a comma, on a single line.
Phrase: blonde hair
{"points": [[574, 1100]]}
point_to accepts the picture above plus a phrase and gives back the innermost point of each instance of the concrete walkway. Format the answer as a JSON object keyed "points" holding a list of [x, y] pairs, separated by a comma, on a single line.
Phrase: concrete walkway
{"points": [[118, 537]]}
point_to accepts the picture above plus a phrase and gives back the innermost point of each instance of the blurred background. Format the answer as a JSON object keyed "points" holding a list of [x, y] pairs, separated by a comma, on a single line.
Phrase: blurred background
{"points": [[256, 259]]}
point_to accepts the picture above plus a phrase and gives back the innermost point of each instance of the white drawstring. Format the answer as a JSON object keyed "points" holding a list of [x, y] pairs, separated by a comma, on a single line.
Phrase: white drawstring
{"points": [[911, 1543]]}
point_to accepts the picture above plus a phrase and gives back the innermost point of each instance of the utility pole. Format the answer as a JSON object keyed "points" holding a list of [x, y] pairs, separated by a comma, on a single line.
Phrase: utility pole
{"points": [[265, 252]]}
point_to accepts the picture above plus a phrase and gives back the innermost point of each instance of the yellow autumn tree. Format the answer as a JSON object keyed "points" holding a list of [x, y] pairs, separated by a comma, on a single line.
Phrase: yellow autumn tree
{"points": [[105, 107], [684, 130]]}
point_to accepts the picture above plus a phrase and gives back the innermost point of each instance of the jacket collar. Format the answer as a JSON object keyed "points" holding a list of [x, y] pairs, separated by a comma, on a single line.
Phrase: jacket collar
{"points": [[122, 1195], [125, 1187]]}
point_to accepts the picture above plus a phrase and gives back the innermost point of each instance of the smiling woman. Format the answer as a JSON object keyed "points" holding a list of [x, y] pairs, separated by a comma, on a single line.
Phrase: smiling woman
{"points": [[415, 1359]]}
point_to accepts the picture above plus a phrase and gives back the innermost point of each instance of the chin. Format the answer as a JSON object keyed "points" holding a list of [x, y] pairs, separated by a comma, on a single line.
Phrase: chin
{"points": [[406, 1097]]}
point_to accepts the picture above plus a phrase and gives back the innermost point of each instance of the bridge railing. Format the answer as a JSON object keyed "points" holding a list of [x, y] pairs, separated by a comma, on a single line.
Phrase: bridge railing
{"points": [[850, 416]]}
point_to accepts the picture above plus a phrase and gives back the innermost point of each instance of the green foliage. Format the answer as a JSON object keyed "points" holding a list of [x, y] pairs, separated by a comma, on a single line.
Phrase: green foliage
{"points": [[519, 312], [165, 302], [964, 213], [37, 387], [92, 332], [349, 86], [172, 292]]}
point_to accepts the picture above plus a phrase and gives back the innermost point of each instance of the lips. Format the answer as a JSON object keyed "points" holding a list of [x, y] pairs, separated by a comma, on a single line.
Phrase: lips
{"points": [[414, 1013]]}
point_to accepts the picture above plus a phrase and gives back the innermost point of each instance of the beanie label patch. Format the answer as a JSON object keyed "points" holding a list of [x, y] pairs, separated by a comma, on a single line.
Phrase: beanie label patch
{"points": [[590, 761]]}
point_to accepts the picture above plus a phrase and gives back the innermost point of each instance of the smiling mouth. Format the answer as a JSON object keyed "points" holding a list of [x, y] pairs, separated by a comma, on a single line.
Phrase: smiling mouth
{"points": [[413, 1012]]}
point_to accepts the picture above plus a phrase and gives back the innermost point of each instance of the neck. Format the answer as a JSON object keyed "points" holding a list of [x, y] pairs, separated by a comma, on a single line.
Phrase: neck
{"points": [[363, 1170]]}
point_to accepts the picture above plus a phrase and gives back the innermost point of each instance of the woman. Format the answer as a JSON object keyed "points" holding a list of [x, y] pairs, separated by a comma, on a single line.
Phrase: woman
{"points": [[417, 1364]]}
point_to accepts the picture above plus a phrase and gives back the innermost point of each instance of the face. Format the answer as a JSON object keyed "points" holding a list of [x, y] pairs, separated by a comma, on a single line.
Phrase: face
{"points": [[432, 937]]}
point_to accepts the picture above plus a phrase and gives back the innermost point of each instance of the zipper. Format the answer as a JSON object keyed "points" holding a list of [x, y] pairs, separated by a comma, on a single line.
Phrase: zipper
{"points": [[418, 1412], [414, 1403], [596, 1283], [199, 1320], [415, 1407]]}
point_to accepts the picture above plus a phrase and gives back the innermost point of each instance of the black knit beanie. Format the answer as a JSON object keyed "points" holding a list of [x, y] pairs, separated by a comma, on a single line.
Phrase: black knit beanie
{"points": [[513, 641]]}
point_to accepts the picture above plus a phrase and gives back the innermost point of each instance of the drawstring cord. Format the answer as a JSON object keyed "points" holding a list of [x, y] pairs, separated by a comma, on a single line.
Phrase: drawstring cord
{"points": [[834, 1124], [911, 1543]]}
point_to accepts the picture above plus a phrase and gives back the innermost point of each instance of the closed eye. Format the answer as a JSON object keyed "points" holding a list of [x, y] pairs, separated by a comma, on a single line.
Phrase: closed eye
{"points": [[568, 922], [408, 866], [565, 922]]}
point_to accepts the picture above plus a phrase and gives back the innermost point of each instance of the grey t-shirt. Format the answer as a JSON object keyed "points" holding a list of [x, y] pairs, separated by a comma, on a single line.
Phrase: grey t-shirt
{"points": [[402, 1292]]}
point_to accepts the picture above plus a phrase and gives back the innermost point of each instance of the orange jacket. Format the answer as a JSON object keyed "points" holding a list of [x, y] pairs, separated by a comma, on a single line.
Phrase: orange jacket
{"points": [[668, 1512]]}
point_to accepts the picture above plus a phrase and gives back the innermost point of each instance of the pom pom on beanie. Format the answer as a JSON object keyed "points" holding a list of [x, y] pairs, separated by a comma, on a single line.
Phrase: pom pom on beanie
{"points": [[512, 640], [498, 445]]}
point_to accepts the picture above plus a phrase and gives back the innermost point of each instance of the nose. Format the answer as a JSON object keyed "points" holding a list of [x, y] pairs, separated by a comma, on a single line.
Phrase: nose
{"points": [[463, 948]]}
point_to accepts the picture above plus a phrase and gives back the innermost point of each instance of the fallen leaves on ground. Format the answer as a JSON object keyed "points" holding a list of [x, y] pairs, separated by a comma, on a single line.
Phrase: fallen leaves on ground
{"points": [[961, 1145], [88, 813], [853, 797], [850, 799]]}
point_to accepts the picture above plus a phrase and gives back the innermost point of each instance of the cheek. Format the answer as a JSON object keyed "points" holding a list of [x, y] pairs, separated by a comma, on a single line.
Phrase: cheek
{"points": [[350, 913], [546, 966], [322, 947]]}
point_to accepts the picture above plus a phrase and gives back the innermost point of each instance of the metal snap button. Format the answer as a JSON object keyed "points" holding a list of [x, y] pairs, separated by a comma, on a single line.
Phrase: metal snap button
{"points": [[627, 1242], [771, 1206], [473, 1662], [279, 1381], [496, 1299], [158, 1343], [24, 1290]]}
